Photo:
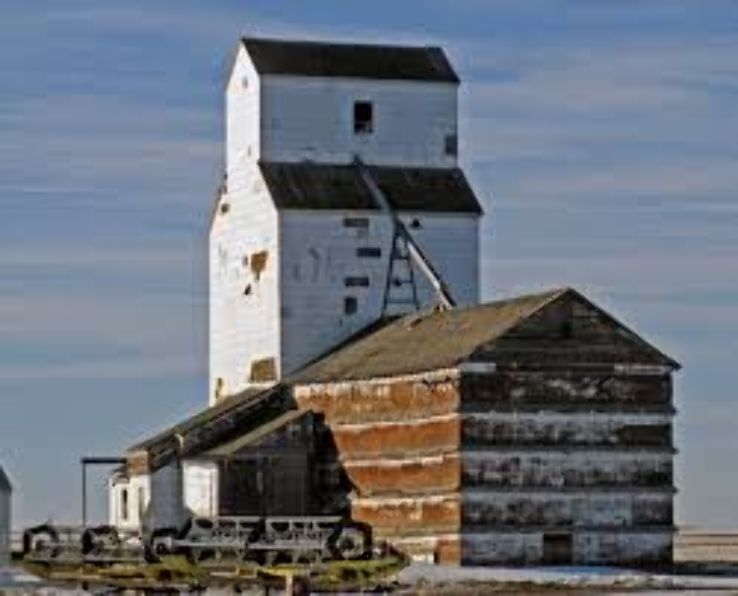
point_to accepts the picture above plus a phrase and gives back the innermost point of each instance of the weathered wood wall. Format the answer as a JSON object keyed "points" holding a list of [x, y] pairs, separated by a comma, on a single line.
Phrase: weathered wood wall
{"points": [[584, 456], [398, 444]]}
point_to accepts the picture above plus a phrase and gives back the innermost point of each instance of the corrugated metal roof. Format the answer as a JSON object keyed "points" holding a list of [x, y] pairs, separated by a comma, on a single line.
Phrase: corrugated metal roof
{"points": [[325, 186], [5, 485], [321, 59]]}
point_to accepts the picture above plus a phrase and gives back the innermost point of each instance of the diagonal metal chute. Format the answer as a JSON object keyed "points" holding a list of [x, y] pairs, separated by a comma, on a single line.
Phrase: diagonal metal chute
{"points": [[401, 232]]}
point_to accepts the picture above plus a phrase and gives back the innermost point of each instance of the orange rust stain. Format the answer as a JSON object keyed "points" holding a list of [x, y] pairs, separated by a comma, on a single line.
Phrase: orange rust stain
{"points": [[137, 463], [418, 438], [359, 402], [258, 263], [410, 517], [263, 370], [436, 474]]}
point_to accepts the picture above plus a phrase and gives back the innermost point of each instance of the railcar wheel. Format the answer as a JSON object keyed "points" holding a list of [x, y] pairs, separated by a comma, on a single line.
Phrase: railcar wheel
{"points": [[159, 544], [99, 540], [41, 541], [351, 541]]}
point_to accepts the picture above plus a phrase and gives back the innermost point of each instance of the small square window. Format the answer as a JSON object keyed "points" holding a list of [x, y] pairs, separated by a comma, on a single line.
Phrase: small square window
{"points": [[350, 305], [451, 145], [356, 282], [369, 252], [355, 222], [363, 117]]}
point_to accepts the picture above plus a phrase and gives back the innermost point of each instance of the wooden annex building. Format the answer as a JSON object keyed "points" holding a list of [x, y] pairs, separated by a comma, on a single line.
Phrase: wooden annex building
{"points": [[531, 430]]}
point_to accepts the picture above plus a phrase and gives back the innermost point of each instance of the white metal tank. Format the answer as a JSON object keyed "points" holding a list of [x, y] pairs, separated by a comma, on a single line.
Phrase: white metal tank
{"points": [[5, 493]]}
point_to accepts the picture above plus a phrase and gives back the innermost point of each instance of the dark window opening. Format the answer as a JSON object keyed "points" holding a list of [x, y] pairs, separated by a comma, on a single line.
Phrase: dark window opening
{"points": [[363, 117], [356, 282], [350, 305], [566, 329], [370, 252], [415, 224], [451, 145], [355, 222], [247, 290], [225, 208], [124, 504], [557, 549]]}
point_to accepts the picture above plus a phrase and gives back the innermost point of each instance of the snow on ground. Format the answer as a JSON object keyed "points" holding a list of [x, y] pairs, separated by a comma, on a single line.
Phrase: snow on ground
{"points": [[573, 577], [11, 578]]}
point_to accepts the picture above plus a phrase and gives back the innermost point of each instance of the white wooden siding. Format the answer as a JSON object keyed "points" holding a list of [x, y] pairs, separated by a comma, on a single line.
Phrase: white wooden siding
{"points": [[5, 517], [242, 109], [243, 328], [318, 252], [312, 118], [139, 489], [200, 480]]}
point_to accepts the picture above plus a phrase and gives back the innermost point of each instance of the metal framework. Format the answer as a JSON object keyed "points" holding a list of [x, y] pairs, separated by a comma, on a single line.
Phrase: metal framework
{"points": [[409, 252], [94, 461]]}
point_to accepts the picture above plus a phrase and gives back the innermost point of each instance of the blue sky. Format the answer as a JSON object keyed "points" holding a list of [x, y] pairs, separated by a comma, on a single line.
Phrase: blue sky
{"points": [[601, 136]]}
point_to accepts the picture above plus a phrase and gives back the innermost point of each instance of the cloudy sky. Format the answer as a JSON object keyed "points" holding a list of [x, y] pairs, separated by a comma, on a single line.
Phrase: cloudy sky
{"points": [[601, 136]]}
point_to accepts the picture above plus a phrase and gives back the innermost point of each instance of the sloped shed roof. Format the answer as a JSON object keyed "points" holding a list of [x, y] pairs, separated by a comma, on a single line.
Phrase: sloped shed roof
{"points": [[320, 59], [441, 339], [324, 186], [229, 418]]}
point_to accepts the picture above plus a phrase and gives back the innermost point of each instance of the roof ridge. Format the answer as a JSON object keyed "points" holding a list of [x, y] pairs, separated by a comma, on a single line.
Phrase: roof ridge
{"points": [[348, 59], [339, 43], [547, 297]]}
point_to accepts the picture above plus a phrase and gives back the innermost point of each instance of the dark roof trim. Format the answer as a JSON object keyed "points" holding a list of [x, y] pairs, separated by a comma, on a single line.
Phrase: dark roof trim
{"points": [[350, 60], [5, 481], [668, 360], [250, 438], [313, 186], [229, 418]]}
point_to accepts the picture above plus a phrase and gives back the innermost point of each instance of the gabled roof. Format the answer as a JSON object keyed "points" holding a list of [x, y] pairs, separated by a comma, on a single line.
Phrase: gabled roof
{"points": [[527, 326], [442, 339], [321, 59], [5, 485], [308, 185]]}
